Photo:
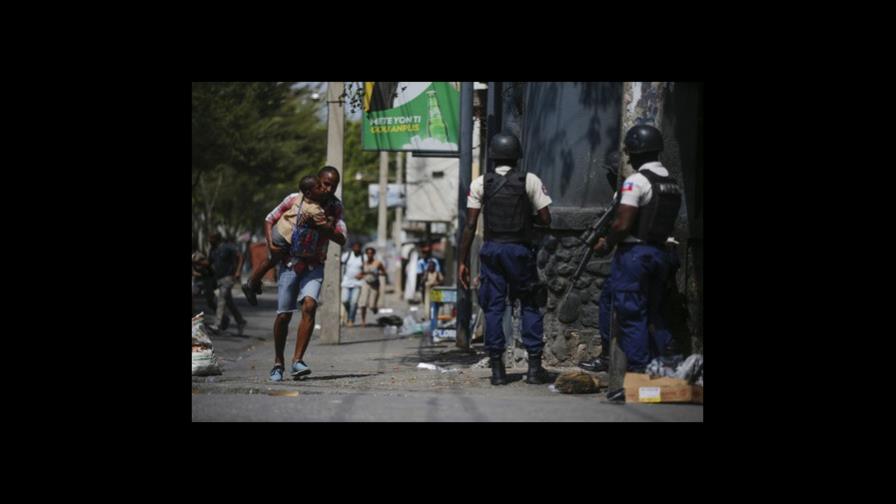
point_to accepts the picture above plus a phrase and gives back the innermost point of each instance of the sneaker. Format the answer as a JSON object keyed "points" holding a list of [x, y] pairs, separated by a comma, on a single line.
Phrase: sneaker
{"points": [[299, 368], [277, 373], [250, 294]]}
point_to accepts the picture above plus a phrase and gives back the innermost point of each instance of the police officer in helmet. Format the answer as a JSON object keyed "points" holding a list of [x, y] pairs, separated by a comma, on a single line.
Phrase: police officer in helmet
{"points": [[511, 201], [649, 205]]}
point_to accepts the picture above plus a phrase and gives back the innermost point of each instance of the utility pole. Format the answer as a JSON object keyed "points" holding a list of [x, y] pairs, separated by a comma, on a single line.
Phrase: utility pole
{"points": [[328, 312], [399, 215], [383, 204], [464, 306]]}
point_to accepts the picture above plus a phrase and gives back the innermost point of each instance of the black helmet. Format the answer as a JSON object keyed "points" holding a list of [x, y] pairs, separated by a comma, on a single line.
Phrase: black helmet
{"points": [[504, 146], [643, 138]]}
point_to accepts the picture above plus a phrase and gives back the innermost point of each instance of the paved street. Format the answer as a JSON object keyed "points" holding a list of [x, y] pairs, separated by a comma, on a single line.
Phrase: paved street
{"points": [[372, 377]]}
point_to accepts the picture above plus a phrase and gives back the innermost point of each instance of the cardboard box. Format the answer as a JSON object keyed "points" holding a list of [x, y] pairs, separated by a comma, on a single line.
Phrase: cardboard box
{"points": [[639, 388]]}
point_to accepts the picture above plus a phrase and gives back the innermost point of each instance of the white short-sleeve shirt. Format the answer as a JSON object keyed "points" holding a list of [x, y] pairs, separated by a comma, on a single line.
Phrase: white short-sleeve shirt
{"points": [[535, 189], [636, 190], [353, 265]]}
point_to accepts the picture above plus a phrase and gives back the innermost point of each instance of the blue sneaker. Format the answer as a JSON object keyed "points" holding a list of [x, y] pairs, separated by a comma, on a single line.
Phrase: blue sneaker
{"points": [[277, 373], [299, 368]]}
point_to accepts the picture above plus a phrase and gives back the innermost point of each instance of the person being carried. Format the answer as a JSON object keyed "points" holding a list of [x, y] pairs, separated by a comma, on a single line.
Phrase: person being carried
{"points": [[310, 221], [295, 235]]}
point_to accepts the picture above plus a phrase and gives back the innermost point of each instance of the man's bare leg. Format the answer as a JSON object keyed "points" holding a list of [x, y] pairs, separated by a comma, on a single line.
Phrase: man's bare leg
{"points": [[309, 308], [281, 325]]}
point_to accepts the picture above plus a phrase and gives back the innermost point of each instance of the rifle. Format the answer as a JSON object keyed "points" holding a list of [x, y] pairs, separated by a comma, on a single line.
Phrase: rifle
{"points": [[566, 312]]}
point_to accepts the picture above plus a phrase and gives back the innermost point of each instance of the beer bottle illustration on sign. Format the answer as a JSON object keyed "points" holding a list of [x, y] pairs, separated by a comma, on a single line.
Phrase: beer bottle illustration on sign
{"points": [[436, 125]]}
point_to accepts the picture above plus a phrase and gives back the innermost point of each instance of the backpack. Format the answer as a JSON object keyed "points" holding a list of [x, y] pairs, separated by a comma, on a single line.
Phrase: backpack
{"points": [[304, 239]]}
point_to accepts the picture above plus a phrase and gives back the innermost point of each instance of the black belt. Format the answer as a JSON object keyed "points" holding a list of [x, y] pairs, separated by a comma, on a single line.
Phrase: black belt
{"points": [[631, 244]]}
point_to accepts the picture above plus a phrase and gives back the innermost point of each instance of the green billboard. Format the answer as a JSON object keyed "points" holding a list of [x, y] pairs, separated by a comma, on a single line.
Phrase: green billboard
{"points": [[411, 116]]}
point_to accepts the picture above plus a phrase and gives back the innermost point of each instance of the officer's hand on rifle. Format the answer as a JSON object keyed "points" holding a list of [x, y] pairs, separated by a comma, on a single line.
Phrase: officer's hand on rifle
{"points": [[600, 248], [464, 274]]}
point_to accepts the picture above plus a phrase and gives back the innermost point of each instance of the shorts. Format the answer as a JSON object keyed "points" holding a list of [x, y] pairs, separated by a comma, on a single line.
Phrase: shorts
{"points": [[293, 287], [369, 295], [278, 240]]}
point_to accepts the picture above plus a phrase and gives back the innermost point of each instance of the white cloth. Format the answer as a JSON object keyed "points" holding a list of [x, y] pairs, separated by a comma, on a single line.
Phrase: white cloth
{"points": [[406, 250], [410, 284]]}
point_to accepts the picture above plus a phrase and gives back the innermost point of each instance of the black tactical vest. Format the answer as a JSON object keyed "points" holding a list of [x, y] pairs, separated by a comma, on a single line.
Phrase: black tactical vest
{"points": [[656, 220], [508, 212]]}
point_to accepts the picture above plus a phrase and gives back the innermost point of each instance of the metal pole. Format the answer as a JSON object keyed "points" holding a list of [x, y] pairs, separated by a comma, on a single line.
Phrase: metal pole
{"points": [[396, 228], [399, 211], [383, 203], [466, 162], [328, 313]]}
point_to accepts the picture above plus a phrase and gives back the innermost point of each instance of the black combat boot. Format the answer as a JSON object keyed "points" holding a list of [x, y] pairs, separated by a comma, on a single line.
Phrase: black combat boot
{"points": [[536, 374], [599, 364], [499, 375], [615, 397]]}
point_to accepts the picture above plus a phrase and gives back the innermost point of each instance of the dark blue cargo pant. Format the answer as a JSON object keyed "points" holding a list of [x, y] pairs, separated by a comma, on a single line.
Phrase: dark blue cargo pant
{"points": [[509, 269], [637, 280]]}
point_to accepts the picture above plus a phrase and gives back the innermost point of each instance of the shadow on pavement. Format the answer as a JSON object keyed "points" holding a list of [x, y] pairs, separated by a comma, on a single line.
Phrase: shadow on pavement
{"points": [[336, 377], [441, 357]]}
